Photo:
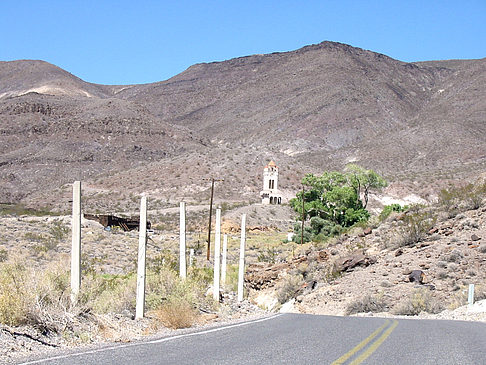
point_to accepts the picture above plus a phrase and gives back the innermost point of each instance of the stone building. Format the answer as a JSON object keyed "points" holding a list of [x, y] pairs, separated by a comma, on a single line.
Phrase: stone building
{"points": [[270, 193]]}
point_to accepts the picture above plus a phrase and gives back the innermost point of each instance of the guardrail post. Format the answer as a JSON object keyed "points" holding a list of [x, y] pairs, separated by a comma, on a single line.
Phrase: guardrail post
{"points": [[142, 241], [223, 260], [191, 257], [470, 296], [217, 255], [182, 241], [241, 269], [76, 242]]}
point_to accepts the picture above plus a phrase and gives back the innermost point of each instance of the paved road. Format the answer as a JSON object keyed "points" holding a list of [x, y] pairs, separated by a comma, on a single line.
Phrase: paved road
{"points": [[306, 339]]}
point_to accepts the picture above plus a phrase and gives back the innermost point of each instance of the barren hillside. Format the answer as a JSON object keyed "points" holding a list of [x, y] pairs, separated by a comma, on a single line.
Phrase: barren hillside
{"points": [[315, 108]]}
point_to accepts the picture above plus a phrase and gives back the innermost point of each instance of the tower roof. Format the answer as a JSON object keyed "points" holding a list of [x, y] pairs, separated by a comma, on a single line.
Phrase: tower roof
{"points": [[271, 164]]}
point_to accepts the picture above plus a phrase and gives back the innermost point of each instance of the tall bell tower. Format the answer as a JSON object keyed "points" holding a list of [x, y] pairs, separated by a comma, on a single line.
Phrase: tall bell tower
{"points": [[270, 193]]}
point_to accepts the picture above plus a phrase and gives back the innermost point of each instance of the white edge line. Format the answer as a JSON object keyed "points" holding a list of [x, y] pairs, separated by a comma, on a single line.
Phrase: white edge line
{"points": [[165, 339]]}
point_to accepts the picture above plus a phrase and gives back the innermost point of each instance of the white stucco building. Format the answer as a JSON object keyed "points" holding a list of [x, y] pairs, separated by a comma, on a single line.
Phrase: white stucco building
{"points": [[270, 193]]}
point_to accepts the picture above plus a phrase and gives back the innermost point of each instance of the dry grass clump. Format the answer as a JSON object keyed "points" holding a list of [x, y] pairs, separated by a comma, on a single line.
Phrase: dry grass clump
{"points": [[461, 297], [174, 301], [38, 298], [289, 288], [42, 297], [368, 303], [13, 306], [110, 293], [420, 301], [176, 313]]}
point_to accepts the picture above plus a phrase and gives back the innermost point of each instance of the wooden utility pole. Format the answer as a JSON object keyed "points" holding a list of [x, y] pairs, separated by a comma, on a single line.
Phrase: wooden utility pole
{"points": [[213, 180], [303, 217]]}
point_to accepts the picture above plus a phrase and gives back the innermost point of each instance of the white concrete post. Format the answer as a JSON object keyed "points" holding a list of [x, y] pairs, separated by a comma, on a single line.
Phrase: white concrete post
{"points": [[76, 242], [241, 270], [191, 256], [223, 261], [182, 241], [217, 255], [142, 240], [470, 296]]}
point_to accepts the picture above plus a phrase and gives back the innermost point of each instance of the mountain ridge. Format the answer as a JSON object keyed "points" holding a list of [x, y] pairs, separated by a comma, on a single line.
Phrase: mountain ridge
{"points": [[315, 108]]}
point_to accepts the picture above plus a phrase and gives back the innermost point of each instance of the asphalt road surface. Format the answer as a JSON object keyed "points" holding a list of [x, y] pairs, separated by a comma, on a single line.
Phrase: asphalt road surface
{"points": [[304, 339]]}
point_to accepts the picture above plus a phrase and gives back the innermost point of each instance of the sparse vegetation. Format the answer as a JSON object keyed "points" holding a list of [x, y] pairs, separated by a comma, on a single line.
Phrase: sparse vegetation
{"points": [[368, 303], [289, 288], [420, 301], [20, 210], [416, 224], [457, 199], [176, 313], [388, 209]]}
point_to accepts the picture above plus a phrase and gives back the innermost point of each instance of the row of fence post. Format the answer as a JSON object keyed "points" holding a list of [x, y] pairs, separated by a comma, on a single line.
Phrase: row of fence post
{"points": [[219, 263]]}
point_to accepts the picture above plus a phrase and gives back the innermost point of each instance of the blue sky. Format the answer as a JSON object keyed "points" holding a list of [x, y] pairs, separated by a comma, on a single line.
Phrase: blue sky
{"points": [[124, 42]]}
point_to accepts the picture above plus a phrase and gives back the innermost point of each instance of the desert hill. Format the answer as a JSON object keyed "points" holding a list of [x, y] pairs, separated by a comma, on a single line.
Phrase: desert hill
{"points": [[315, 108]]}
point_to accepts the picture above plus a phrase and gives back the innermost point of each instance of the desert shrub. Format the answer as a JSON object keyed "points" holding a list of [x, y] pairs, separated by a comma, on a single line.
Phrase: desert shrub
{"points": [[442, 264], [461, 296], [58, 230], [319, 230], [18, 210], [452, 267], [231, 278], [456, 199], [38, 298], [13, 294], [166, 259], [297, 238], [41, 243], [479, 292], [166, 286], [324, 227], [289, 288], [50, 300], [420, 301], [3, 255], [454, 256], [368, 303], [116, 294], [442, 275], [176, 313], [388, 209], [416, 224], [268, 255]]}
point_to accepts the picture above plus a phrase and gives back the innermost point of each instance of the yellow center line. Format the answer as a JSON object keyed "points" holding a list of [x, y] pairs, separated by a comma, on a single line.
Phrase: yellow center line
{"points": [[374, 345], [362, 344]]}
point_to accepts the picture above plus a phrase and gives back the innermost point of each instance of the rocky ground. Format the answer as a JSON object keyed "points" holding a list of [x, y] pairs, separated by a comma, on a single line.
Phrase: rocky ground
{"points": [[364, 272], [368, 270], [25, 342]]}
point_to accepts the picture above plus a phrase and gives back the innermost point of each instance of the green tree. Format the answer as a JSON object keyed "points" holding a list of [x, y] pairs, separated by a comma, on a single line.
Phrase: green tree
{"points": [[363, 181], [335, 198]]}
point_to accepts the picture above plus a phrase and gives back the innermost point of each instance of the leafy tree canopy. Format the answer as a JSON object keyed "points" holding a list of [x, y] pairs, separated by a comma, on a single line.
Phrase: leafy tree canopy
{"points": [[338, 199]]}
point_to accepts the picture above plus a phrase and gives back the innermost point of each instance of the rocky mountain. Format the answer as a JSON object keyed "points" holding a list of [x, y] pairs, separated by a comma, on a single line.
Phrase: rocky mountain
{"points": [[315, 108]]}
